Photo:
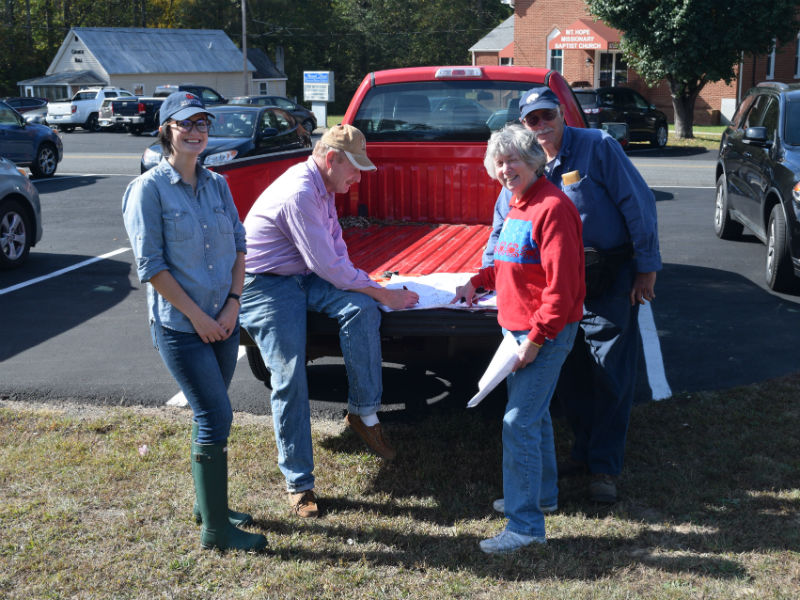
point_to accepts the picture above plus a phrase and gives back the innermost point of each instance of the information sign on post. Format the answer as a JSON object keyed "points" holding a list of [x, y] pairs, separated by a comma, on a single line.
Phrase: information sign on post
{"points": [[318, 89]]}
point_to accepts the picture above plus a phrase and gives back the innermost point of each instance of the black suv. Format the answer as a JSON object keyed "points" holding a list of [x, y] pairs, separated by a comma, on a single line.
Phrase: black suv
{"points": [[758, 178], [623, 105]]}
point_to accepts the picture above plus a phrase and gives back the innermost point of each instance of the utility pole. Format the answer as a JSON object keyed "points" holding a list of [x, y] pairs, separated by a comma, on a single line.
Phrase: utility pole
{"points": [[244, 50]]}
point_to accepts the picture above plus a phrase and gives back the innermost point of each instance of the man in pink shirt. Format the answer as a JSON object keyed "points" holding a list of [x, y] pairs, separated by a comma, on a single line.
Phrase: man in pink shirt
{"points": [[297, 261]]}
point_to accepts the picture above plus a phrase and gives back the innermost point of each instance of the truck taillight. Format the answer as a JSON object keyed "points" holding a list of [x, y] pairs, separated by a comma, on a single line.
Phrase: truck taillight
{"points": [[74, 109], [140, 108]]}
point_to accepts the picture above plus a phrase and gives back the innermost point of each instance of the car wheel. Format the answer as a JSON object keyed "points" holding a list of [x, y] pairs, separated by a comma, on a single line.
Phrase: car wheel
{"points": [[308, 125], [724, 226], [779, 271], [660, 137], [66, 128], [92, 124], [256, 362], [15, 239], [46, 161]]}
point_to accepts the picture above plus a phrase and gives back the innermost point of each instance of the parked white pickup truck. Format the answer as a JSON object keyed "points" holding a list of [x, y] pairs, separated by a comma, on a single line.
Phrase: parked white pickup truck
{"points": [[83, 109]]}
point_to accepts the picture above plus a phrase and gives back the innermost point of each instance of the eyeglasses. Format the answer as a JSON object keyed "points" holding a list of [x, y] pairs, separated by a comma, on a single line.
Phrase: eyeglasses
{"points": [[532, 120], [186, 125]]}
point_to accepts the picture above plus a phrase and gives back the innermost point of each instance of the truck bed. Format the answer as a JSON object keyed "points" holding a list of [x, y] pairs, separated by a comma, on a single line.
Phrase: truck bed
{"points": [[416, 248]]}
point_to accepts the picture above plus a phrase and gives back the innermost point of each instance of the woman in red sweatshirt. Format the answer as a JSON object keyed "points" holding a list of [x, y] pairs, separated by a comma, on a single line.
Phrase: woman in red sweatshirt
{"points": [[539, 279]]}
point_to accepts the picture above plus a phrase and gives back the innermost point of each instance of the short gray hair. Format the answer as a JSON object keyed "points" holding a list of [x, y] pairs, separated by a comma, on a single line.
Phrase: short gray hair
{"points": [[514, 139]]}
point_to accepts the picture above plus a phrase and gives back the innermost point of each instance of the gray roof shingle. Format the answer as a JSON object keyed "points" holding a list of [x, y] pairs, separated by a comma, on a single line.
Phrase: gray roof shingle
{"points": [[143, 50], [497, 39]]}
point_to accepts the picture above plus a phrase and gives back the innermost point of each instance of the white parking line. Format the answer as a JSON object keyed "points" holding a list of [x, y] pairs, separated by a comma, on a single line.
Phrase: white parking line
{"points": [[180, 400], [90, 261], [656, 375]]}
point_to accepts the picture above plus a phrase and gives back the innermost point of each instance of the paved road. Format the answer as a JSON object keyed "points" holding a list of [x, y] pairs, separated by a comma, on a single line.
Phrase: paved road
{"points": [[83, 334]]}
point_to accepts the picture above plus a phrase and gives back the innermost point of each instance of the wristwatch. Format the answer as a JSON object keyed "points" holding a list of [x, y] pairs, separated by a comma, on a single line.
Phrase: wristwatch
{"points": [[235, 297]]}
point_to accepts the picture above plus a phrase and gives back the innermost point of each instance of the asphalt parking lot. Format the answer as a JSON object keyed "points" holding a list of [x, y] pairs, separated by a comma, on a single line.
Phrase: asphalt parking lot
{"points": [[82, 335]]}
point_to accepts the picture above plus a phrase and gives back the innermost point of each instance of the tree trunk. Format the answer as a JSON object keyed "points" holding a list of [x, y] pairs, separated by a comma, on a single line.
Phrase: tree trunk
{"points": [[684, 94]]}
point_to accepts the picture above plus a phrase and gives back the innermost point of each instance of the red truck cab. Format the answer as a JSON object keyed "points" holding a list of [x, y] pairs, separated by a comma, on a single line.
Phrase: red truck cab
{"points": [[428, 207]]}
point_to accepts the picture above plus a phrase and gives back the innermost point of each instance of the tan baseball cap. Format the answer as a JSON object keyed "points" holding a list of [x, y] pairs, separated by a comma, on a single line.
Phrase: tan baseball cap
{"points": [[352, 142]]}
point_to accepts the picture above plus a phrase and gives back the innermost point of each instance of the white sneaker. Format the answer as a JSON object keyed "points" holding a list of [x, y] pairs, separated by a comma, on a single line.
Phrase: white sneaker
{"points": [[500, 506], [508, 541]]}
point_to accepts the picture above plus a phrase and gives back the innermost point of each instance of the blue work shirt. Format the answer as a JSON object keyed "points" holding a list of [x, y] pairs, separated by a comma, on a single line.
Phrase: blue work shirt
{"points": [[615, 204], [195, 235]]}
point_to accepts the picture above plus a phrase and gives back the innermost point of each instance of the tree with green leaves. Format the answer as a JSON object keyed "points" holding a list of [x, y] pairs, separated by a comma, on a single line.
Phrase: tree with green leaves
{"points": [[692, 42]]}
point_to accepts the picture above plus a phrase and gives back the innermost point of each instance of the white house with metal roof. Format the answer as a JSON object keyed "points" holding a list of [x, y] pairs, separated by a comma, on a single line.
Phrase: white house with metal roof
{"points": [[139, 59]]}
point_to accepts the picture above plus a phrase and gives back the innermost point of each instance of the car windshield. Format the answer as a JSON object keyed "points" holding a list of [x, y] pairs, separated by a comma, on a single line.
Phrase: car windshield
{"points": [[230, 123], [586, 99], [439, 111], [792, 127]]}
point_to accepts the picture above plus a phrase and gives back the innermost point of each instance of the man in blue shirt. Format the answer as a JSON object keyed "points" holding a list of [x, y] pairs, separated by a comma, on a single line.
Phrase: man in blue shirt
{"points": [[618, 212]]}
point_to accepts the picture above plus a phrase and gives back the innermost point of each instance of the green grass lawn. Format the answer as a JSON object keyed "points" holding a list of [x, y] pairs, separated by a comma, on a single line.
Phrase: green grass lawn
{"points": [[710, 499]]}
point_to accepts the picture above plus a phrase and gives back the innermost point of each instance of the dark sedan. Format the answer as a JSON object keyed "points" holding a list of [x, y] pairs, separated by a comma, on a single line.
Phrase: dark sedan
{"points": [[23, 105], [622, 105], [306, 118], [29, 144], [240, 131]]}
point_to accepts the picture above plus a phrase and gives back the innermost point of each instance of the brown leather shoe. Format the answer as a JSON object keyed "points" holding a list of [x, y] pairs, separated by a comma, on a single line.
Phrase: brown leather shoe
{"points": [[304, 504], [372, 436]]}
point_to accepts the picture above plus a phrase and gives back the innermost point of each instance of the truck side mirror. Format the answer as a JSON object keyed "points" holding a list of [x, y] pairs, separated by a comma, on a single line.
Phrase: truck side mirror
{"points": [[757, 136]]}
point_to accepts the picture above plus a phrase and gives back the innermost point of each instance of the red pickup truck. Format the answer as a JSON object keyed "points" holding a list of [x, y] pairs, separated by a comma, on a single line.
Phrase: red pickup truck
{"points": [[428, 207]]}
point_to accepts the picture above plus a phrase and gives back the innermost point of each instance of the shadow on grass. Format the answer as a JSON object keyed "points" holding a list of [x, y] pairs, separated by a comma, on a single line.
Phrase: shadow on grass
{"points": [[703, 484]]}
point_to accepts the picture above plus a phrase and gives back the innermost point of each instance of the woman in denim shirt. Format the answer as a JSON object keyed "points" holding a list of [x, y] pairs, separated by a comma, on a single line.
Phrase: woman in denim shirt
{"points": [[189, 246]]}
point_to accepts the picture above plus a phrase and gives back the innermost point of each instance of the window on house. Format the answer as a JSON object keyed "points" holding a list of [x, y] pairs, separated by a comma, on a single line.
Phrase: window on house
{"points": [[771, 62], [797, 57], [506, 61], [613, 69], [557, 60]]}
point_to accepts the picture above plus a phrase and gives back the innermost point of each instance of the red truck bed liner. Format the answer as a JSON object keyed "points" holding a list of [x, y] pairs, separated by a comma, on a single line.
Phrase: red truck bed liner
{"points": [[417, 249]]}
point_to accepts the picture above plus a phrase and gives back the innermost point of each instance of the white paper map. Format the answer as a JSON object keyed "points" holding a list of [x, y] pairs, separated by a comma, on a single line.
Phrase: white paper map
{"points": [[437, 290]]}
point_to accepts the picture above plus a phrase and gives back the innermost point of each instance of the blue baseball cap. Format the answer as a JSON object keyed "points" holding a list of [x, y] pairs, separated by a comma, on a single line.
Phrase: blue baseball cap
{"points": [[536, 99], [181, 105]]}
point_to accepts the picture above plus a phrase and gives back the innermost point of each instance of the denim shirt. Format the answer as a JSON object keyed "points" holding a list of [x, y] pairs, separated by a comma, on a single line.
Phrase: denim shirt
{"points": [[195, 235], [615, 204]]}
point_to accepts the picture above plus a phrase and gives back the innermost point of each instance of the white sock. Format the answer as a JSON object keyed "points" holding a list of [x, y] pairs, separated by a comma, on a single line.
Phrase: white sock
{"points": [[370, 420]]}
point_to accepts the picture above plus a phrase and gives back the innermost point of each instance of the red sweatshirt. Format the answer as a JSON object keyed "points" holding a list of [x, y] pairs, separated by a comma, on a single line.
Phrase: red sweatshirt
{"points": [[538, 264]]}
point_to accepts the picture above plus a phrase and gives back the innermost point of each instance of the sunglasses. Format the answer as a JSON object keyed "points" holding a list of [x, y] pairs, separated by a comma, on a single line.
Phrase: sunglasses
{"points": [[186, 125], [547, 114]]}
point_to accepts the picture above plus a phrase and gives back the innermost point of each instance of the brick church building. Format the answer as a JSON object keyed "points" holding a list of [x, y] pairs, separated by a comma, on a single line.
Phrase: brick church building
{"points": [[561, 35]]}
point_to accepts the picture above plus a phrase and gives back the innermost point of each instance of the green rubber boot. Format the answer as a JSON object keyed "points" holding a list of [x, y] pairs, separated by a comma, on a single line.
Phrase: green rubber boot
{"points": [[210, 472], [237, 519]]}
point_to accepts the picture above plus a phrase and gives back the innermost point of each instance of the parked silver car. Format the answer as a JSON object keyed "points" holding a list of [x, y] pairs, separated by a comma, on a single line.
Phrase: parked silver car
{"points": [[20, 215]]}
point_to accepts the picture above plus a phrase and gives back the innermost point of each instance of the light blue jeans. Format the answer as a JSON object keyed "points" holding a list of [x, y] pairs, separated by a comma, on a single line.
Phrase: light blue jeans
{"points": [[203, 372], [530, 474], [274, 314]]}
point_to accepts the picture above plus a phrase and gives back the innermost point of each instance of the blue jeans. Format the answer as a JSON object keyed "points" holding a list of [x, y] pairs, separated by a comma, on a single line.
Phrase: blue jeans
{"points": [[530, 475], [274, 314], [203, 372], [598, 381]]}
